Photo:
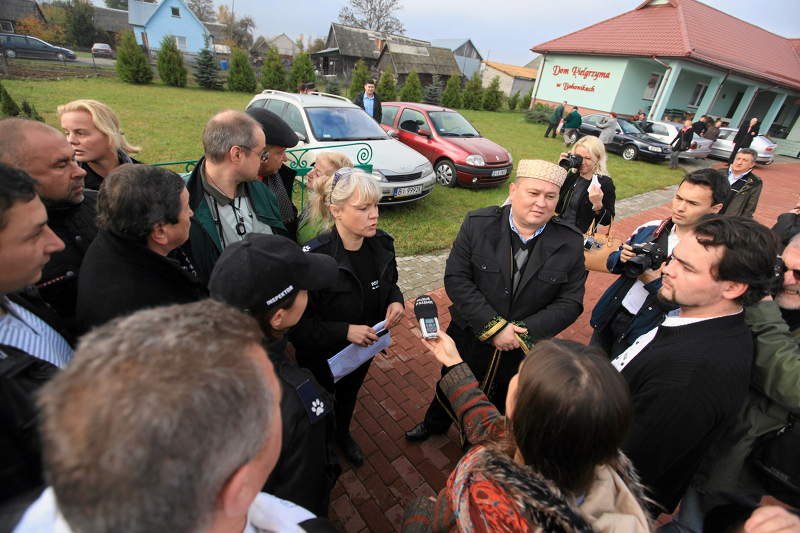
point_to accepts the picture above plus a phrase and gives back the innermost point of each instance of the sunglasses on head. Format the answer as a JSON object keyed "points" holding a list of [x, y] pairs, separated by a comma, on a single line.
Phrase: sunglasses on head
{"points": [[344, 172]]}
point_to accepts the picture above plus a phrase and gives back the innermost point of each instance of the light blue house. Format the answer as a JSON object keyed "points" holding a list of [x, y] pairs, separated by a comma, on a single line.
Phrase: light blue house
{"points": [[151, 22]]}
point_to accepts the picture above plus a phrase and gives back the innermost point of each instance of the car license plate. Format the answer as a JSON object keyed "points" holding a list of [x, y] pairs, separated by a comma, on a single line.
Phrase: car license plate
{"points": [[407, 191], [501, 172]]}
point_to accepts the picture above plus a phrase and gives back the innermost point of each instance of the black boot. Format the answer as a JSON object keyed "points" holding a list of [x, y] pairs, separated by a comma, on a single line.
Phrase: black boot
{"points": [[351, 449]]}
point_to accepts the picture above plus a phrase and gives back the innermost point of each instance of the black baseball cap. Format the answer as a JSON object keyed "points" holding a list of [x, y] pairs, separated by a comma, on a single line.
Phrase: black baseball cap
{"points": [[261, 271], [276, 130]]}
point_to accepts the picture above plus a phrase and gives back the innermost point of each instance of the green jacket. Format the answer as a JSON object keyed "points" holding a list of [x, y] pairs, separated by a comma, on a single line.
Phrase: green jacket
{"points": [[558, 112], [774, 394], [573, 120]]}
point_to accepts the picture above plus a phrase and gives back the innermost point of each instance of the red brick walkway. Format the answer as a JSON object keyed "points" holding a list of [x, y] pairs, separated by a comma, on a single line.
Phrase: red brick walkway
{"points": [[400, 385]]}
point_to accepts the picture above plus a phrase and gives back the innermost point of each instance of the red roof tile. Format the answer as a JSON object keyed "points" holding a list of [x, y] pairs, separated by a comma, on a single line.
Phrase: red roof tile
{"points": [[692, 30]]}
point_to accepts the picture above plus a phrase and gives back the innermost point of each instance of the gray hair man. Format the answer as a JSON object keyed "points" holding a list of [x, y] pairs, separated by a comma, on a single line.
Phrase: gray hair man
{"points": [[228, 199], [187, 431], [745, 186]]}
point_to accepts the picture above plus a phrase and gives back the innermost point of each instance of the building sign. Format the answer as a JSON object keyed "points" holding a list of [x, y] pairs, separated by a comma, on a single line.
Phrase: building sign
{"points": [[578, 78]]}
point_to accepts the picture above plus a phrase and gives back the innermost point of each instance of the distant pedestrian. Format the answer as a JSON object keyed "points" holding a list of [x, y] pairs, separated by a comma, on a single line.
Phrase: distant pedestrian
{"points": [[609, 126], [555, 119], [571, 125], [712, 131], [744, 137], [369, 101], [701, 125], [681, 143]]}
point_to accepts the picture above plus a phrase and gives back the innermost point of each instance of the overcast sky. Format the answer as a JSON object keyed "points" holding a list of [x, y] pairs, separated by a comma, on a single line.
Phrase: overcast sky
{"points": [[503, 30]]}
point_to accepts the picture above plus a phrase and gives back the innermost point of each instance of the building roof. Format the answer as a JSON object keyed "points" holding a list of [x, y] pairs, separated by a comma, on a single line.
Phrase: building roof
{"points": [[216, 29], [111, 20], [140, 12], [358, 42], [16, 10], [424, 59], [688, 29], [513, 70]]}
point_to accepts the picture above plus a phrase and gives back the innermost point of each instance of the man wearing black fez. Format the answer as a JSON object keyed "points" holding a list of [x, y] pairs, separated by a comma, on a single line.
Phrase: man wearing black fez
{"points": [[277, 176]]}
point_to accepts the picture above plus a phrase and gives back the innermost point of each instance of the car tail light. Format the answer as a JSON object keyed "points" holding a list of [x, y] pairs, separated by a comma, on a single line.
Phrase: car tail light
{"points": [[694, 145], [769, 148]]}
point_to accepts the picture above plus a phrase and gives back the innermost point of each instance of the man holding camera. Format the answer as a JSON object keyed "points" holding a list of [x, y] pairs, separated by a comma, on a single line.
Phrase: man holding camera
{"points": [[630, 307]]}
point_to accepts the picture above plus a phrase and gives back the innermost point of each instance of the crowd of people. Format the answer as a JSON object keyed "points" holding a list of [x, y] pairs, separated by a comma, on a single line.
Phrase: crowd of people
{"points": [[166, 345]]}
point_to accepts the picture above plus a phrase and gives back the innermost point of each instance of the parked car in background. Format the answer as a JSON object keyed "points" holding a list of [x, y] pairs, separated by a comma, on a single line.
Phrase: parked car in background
{"points": [[723, 146], [103, 50], [27, 47], [457, 151], [330, 121], [667, 131], [630, 141]]}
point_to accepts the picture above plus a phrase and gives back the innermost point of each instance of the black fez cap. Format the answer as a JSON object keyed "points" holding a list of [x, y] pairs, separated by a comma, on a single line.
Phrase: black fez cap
{"points": [[277, 132]]}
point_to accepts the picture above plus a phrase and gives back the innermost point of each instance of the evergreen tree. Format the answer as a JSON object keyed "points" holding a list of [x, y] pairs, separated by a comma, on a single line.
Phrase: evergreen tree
{"points": [[8, 107], [117, 4], [206, 71], [273, 75], [451, 97], [473, 92], [170, 63], [333, 87], [302, 71], [132, 63], [513, 101], [433, 92], [412, 88], [29, 111], [360, 77], [526, 100], [241, 77], [493, 96], [387, 85], [80, 23]]}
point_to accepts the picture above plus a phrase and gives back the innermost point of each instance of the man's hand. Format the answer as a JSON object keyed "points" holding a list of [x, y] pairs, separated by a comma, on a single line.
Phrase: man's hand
{"points": [[361, 335], [650, 275], [772, 519], [506, 340], [444, 349], [626, 253], [394, 313]]}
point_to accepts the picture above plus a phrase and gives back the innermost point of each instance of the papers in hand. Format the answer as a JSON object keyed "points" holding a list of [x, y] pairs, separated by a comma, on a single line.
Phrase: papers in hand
{"points": [[353, 356]]}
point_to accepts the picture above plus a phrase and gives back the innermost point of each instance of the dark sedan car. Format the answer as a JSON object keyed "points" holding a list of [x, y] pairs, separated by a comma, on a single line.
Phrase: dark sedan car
{"points": [[15, 45], [629, 141]]}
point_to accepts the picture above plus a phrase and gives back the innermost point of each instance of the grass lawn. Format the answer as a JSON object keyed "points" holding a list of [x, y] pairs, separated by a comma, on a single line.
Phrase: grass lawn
{"points": [[167, 123]]}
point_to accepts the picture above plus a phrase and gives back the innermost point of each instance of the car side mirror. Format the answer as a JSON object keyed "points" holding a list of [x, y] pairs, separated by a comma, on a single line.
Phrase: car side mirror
{"points": [[392, 133], [425, 132], [302, 138]]}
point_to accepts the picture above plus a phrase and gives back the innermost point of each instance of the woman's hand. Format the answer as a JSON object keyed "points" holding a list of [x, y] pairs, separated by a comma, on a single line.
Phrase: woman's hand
{"points": [[596, 196], [394, 313], [444, 349], [361, 335]]}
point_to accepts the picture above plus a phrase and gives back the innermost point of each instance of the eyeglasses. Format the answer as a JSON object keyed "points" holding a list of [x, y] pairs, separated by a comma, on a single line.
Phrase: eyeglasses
{"points": [[264, 154], [344, 172]]}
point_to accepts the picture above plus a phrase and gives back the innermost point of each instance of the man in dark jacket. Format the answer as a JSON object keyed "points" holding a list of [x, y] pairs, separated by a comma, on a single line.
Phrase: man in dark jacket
{"points": [[555, 118], [369, 101], [515, 276], [143, 214], [689, 376], [269, 277], [44, 153], [681, 143], [278, 177], [630, 306], [745, 186], [225, 194], [744, 137], [701, 125], [32, 342]]}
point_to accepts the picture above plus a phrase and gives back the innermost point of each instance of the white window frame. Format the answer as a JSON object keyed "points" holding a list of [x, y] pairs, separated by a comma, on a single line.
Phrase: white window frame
{"points": [[698, 94], [178, 43], [650, 92]]}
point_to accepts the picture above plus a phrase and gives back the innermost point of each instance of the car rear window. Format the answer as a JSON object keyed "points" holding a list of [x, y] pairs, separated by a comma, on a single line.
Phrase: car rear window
{"points": [[343, 124], [389, 112]]}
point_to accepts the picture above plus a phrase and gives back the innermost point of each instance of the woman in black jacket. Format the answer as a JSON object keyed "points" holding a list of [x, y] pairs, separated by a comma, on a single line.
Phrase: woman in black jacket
{"points": [[588, 194], [364, 294]]}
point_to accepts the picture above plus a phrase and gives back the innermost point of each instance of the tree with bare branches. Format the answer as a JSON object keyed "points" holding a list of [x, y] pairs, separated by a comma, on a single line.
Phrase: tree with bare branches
{"points": [[377, 15]]}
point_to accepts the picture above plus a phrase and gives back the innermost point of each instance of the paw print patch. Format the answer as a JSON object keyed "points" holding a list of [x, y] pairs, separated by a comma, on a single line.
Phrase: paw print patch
{"points": [[318, 407], [313, 400]]}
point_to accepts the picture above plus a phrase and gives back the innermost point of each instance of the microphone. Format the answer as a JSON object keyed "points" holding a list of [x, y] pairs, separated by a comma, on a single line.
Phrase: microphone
{"points": [[427, 316]]}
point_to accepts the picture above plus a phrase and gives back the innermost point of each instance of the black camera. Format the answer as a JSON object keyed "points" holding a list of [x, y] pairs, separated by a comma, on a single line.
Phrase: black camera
{"points": [[649, 256], [571, 162]]}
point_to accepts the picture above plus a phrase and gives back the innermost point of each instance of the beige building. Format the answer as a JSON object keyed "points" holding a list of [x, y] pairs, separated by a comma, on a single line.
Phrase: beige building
{"points": [[513, 79]]}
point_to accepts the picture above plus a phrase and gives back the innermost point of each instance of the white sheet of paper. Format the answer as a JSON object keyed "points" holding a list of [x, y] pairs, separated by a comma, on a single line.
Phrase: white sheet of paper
{"points": [[353, 356]]}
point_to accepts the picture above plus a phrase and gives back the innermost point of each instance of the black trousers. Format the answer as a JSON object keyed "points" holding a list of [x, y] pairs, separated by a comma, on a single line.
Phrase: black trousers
{"points": [[478, 356], [551, 127]]}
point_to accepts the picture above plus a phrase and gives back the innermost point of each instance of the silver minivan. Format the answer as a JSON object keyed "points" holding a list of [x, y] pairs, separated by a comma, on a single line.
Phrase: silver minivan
{"points": [[331, 122]]}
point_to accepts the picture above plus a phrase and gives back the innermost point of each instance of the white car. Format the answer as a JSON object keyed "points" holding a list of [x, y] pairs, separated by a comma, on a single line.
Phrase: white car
{"points": [[723, 146], [331, 122], [667, 131]]}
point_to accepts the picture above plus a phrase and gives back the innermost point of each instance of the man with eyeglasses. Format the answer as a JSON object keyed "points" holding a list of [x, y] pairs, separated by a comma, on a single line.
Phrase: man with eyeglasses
{"points": [[228, 199]]}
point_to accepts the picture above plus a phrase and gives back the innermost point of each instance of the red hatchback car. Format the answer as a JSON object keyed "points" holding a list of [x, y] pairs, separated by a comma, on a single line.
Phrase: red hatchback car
{"points": [[454, 147]]}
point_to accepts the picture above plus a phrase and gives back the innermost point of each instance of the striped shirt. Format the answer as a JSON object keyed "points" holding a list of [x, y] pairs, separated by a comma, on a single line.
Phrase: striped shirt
{"points": [[23, 330]]}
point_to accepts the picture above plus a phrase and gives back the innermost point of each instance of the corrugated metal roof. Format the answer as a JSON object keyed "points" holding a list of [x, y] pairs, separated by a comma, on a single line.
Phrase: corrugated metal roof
{"points": [[688, 29]]}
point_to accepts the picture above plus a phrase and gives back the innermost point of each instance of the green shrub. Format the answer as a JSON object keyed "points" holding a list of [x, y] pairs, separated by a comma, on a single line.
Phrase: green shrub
{"points": [[540, 114], [387, 85], [526, 100], [333, 87], [29, 111], [302, 71], [206, 71], [359, 78], [412, 88], [473, 92], [513, 101], [171, 69], [132, 63], [241, 77], [433, 92], [273, 75], [493, 96], [451, 97], [8, 107]]}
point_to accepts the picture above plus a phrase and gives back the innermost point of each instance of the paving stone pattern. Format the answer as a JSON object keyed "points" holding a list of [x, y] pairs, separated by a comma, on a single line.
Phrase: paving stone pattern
{"points": [[400, 383]]}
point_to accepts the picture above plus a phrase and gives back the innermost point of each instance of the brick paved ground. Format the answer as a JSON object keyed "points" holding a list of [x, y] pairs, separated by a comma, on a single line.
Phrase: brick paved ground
{"points": [[400, 385]]}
